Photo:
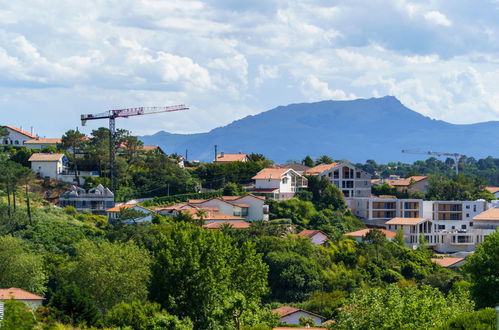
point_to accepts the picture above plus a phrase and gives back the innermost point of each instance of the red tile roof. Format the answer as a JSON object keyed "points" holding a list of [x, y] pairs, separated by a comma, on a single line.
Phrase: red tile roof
{"points": [[271, 173], [288, 310], [42, 157], [320, 168], [489, 215], [363, 232], [232, 224], [224, 157], [18, 130], [310, 233], [408, 181], [405, 221], [43, 141], [18, 294], [492, 190], [447, 261], [118, 208]]}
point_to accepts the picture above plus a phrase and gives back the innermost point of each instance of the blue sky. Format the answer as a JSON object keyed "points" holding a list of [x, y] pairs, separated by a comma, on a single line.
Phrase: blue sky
{"points": [[227, 59]]}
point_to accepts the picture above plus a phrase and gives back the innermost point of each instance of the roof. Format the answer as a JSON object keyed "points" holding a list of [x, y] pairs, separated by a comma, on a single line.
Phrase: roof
{"points": [[18, 130], [118, 208], [363, 232], [492, 190], [232, 224], [296, 166], [288, 310], [42, 157], [18, 294], [211, 214], [311, 233], [43, 141], [321, 168], [271, 173], [405, 221], [224, 157], [489, 215], [149, 148], [447, 261], [408, 181], [233, 198]]}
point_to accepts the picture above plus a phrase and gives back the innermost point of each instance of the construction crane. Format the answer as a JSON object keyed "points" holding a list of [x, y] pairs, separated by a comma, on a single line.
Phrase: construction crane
{"points": [[438, 154], [124, 113]]}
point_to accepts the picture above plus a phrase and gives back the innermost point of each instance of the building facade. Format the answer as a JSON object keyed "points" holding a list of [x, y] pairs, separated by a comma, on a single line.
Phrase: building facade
{"points": [[51, 166], [16, 137], [278, 183], [97, 200], [351, 181]]}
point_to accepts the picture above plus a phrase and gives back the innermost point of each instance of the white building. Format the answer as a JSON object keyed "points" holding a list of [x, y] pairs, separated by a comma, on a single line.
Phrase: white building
{"points": [[413, 229], [114, 212], [292, 315], [97, 200], [378, 210], [29, 299], [278, 183], [39, 144], [317, 237], [49, 166], [453, 215], [351, 181], [16, 136]]}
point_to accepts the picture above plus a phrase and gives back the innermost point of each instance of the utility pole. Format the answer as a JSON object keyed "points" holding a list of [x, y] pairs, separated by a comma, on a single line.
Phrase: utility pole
{"points": [[216, 153]]}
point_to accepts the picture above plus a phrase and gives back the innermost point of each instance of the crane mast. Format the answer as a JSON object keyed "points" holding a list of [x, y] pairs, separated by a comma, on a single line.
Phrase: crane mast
{"points": [[456, 156], [124, 113]]}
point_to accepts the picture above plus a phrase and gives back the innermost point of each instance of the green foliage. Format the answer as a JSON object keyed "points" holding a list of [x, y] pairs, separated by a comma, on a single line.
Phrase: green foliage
{"points": [[324, 303], [144, 315], [458, 188], [483, 319], [324, 159], [17, 317], [196, 265], [483, 269], [395, 308], [308, 161], [20, 268], [110, 272], [165, 200], [233, 189]]}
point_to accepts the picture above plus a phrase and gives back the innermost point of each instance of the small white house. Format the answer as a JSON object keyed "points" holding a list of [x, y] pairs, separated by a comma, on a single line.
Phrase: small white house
{"points": [[292, 315], [16, 136], [316, 236], [48, 165], [31, 300], [278, 183], [114, 212], [39, 144]]}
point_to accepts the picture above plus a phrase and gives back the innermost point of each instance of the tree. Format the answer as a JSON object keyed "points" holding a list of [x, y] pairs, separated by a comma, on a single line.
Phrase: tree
{"points": [[17, 316], [20, 268], [483, 319], [73, 141], [196, 265], [399, 237], [483, 268], [308, 161], [233, 189], [324, 159], [110, 272]]}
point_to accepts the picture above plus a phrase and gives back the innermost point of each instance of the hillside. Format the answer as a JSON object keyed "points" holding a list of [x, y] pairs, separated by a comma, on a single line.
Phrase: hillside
{"points": [[376, 128]]}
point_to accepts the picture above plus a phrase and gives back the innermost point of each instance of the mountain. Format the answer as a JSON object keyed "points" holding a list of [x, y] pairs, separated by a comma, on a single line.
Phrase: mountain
{"points": [[357, 130]]}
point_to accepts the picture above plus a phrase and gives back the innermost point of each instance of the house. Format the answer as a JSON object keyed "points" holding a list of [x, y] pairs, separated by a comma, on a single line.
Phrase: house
{"points": [[411, 184], [151, 148], [299, 168], [317, 237], [493, 190], [412, 229], [226, 158], [97, 200], [114, 212], [231, 224], [48, 165], [449, 262], [278, 183], [31, 300], [292, 315], [16, 136], [199, 212], [360, 234], [351, 181], [40, 144], [378, 210]]}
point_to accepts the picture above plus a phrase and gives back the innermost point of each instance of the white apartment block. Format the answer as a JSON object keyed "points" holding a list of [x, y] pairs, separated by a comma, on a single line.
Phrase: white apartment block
{"points": [[377, 211], [351, 181], [453, 215]]}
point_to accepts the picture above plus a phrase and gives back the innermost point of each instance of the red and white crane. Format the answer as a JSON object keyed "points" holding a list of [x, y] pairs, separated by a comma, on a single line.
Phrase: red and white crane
{"points": [[124, 113]]}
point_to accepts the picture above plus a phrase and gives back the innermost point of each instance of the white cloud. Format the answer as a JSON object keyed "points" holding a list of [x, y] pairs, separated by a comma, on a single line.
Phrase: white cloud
{"points": [[437, 18]]}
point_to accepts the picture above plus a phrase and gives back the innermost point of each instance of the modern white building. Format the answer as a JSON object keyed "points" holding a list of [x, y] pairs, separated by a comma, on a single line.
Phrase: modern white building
{"points": [[97, 200], [49, 166], [378, 210], [453, 215], [351, 181], [413, 230], [16, 136], [278, 183]]}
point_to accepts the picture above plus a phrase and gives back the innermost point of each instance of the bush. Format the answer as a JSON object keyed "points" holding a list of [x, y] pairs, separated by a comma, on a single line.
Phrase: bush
{"points": [[484, 319]]}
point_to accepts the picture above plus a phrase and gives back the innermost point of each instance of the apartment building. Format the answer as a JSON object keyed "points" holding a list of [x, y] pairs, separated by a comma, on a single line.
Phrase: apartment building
{"points": [[378, 210], [453, 215], [351, 181], [96, 200], [413, 229]]}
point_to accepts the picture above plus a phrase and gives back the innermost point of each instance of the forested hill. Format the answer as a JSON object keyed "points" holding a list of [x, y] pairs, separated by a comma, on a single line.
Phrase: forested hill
{"points": [[376, 128]]}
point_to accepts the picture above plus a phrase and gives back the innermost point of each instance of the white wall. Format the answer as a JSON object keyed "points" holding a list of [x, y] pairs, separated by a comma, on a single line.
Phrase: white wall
{"points": [[267, 184], [15, 136], [255, 211], [47, 169], [295, 318], [222, 206], [319, 239]]}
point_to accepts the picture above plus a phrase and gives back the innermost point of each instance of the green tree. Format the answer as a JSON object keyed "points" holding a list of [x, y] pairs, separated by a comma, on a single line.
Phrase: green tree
{"points": [[73, 141], [308, 161], [483, 319], [483, 269], [20, 268], [233, 189], [17, 317], [399, 238], [110, 272], [324, 159]]}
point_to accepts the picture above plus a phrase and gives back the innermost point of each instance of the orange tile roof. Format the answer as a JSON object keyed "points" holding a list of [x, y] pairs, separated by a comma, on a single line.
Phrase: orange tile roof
{"points": [[18, 130], [42, 157], [230, 157], [233, 224], [320, 168], [311, 233], [232, 198], [489, 215], [270, 173], [363, 232], [18, 294], [447, 261], [118, 208], [211, 214], [287, 310], [492, 190], [405, 221], [407, 181], [43, 141]]}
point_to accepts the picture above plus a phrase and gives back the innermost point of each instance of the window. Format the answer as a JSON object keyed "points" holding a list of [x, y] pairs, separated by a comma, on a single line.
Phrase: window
{"points": [[16, 142], [463, 226], [467, 215], [441, 227], [365, 183], [285, 180], [474, 208], [244, 212], [468, 207], [358, 175]]}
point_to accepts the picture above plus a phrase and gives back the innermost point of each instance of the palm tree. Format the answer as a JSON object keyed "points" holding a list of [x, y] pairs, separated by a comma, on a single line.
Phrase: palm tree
{"points": [[201, 214]]}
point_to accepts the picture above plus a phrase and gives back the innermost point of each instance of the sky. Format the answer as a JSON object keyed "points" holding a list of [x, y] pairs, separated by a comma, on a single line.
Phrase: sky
{"points": [[227, 59]]}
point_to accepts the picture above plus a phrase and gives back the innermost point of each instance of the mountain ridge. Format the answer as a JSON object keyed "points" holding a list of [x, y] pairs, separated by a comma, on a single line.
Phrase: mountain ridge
{"points": [[357, 130]]}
